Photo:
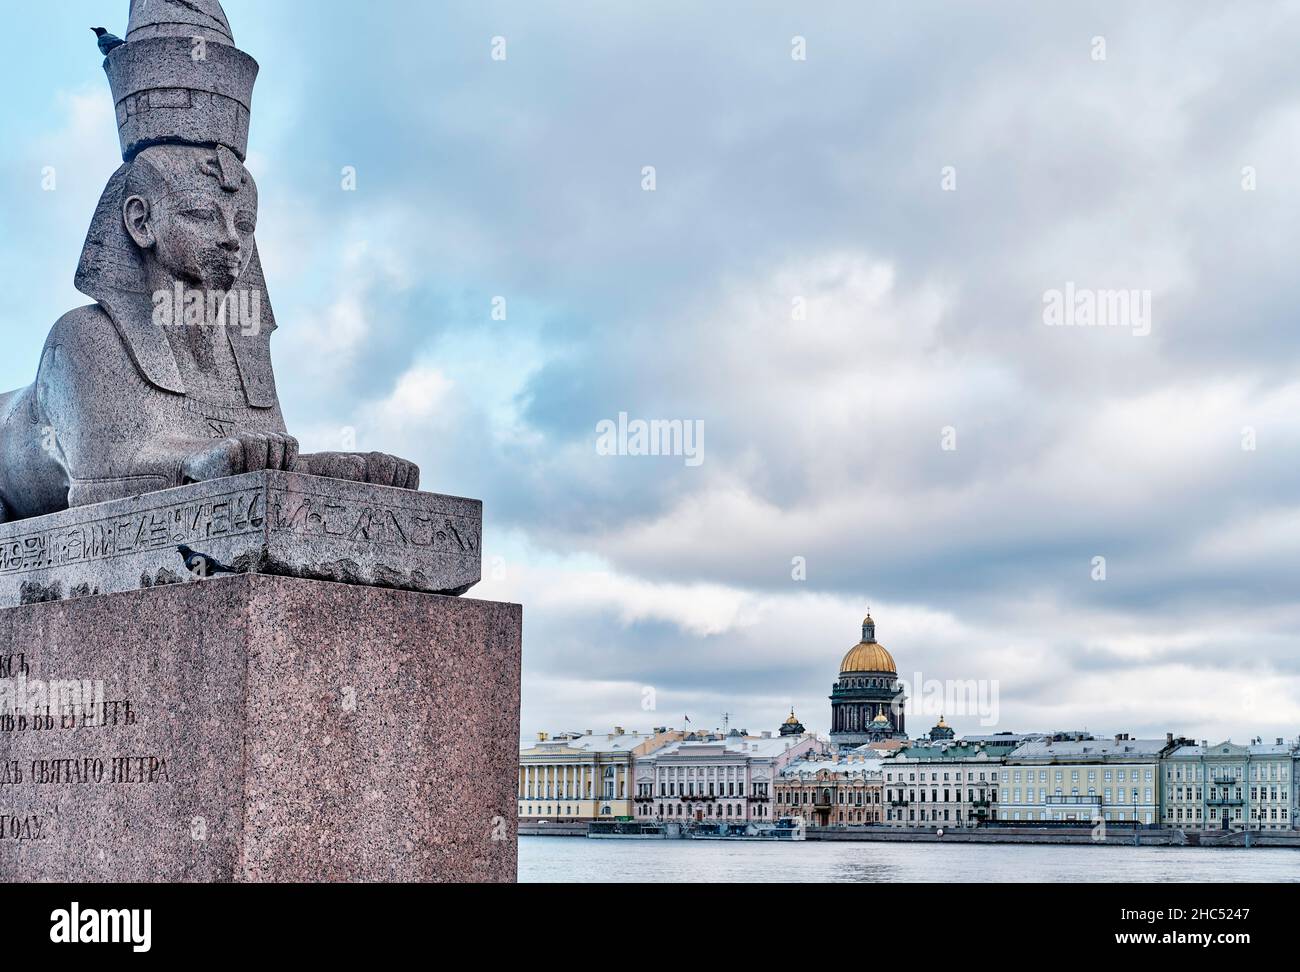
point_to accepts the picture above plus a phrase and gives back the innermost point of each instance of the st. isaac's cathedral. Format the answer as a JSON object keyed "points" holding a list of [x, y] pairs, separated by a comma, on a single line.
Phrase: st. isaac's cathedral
{"points": [[867, 701]]}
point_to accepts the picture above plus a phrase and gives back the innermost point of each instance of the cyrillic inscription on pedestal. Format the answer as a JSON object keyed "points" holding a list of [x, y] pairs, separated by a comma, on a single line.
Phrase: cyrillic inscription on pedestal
{"points": [[251, 729]]}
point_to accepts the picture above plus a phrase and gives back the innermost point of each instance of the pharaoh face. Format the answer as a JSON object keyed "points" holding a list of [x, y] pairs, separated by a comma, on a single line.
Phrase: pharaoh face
{"points": [[193, 213]]}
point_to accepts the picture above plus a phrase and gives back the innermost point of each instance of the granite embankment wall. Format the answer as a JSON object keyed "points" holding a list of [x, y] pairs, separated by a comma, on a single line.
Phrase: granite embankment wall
{"points": [[553, 830], [996, 835], [1001, 835], [1081, 835]]}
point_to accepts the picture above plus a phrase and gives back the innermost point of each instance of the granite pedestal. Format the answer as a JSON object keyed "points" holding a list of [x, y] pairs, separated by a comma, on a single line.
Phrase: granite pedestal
{"points": [[259, 729]]}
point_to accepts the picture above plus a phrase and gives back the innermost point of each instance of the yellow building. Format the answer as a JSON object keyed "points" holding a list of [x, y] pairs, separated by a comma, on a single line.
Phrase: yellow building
{"points": [[1080, 778], [583, 776]]}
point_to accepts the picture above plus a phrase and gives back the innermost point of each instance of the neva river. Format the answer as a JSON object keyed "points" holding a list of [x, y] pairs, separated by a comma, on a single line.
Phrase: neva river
{"points": [[577, 859]]}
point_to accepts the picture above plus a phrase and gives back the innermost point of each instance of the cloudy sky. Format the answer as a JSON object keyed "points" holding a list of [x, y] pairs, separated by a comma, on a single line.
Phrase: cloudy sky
{"points": [[841, 272]]}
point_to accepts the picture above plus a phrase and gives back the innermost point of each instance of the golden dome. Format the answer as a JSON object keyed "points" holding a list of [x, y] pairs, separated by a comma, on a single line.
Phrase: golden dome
{"points": [[881, 717], [868, 656], [792, 721]]}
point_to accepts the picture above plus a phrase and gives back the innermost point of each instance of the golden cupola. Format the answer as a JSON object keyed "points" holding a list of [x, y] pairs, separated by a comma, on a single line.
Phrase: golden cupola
{"points": [[868, 655], [792, 726]]}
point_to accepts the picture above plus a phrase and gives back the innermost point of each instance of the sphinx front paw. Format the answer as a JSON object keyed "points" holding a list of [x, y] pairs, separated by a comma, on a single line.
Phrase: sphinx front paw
{"points": [[243, 453], [385, 470], [363, 467]]}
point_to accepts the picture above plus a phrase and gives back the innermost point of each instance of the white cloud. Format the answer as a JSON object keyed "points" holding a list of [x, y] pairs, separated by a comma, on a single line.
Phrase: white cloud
{"points": [[420, 396]]}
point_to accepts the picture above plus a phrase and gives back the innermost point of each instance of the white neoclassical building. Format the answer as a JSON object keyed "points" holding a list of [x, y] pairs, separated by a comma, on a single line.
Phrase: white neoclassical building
{"points": [[945, 783], [583, 776], [716, 778]]}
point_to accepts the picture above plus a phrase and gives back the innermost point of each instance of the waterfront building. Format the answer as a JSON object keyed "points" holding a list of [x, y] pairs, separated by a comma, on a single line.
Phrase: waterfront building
{"points": [[1084, 779], [867, 701], [944, 783], [717, 778], [1295, 785], [842, 790], [583, 776], [1230, 786]]}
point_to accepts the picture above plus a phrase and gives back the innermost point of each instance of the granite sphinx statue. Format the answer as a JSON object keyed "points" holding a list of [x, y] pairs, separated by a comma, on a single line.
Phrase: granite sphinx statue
{"points": [[166, 379]]}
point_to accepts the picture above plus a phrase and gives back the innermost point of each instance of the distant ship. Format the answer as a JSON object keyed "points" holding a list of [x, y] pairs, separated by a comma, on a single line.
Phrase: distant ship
{"points": [[787, 828]]}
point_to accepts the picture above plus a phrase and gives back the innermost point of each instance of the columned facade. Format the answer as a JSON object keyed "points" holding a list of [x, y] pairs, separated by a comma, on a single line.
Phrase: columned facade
{"points": [[717, 780], [583, 776]]}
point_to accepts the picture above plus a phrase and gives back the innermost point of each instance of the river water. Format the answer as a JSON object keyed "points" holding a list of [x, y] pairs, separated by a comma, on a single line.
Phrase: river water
{"points": [[577, 859]]}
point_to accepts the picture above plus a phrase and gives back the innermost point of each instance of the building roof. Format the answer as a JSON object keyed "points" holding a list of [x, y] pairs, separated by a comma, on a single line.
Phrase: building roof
{"points": [[590, 743], [1253, 749], [856, 766], [1088, 748], [880, 746], [752, 746], [868, 656], [952, 751], [1001, 737]]}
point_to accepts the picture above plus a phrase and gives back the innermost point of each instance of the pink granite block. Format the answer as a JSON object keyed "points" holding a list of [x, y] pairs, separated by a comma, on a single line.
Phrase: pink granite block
{"points": [[259, 728]]}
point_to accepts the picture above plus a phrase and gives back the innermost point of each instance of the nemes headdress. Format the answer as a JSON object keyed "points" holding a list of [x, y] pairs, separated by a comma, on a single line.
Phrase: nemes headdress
{"points": [[178, 80]]}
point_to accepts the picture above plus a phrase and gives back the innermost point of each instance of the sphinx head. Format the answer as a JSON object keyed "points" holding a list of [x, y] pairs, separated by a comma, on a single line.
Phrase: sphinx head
{"points": [[192, 213]]}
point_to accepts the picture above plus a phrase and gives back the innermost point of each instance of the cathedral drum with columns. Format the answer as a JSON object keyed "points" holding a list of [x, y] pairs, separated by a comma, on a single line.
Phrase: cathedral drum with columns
{"points": [[867, 701]]}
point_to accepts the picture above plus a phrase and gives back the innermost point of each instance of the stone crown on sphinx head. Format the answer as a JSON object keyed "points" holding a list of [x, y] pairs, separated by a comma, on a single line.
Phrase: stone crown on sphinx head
{"points": [[180, 79]]}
